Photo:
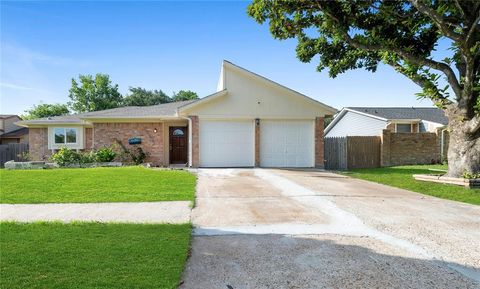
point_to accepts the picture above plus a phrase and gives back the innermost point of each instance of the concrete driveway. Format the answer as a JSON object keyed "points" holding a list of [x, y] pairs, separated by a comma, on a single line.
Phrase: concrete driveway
{"points": [[261, 228]]}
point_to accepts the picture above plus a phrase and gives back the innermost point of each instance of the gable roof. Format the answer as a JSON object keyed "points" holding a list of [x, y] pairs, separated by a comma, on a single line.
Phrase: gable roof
{"points": [[386, 114], [15, 133], [395, 113], [127, 112], [224, 90]]}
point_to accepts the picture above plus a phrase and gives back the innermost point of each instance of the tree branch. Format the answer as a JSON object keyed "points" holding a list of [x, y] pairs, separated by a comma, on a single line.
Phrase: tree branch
{"points": [[446, 69], [475, 25], [437, 19]]}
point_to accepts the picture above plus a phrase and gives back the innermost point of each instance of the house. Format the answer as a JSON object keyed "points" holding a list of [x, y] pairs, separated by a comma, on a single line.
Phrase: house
{"points": [[370, 121], [10, 132], [408, 135], [250, 121]]}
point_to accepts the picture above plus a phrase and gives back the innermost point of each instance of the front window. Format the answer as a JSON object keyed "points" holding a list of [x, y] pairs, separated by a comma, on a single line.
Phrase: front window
{"points": [[65, 135], [404, 127]]}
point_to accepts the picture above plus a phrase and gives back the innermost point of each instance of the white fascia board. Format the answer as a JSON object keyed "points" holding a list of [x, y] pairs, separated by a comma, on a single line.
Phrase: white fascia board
{"points": [[366, 114], [335, 120]]}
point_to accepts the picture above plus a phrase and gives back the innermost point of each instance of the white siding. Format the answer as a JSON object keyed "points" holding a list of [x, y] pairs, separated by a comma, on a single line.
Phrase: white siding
{"points": [[354, 124]]}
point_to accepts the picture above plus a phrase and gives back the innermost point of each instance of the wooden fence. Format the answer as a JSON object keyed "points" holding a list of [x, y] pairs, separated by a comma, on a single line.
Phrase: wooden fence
{"points": [[352, 152], [13, 151]]}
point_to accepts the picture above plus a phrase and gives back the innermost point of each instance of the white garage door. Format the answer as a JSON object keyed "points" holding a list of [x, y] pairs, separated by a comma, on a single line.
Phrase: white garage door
{"points": [[288, 143], [227, 143]]}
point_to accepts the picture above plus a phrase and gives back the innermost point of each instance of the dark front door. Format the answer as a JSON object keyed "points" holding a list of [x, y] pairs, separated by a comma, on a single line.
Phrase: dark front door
{"points": [[178, 145]]}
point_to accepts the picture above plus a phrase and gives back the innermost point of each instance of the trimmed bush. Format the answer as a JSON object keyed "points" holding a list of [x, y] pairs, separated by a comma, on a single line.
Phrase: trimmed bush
{"points": [[105, 155]]}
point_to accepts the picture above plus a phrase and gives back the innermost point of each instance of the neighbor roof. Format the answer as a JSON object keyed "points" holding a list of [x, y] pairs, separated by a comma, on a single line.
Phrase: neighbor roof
{"points": [[390, 113], [5, 116], [154, 111], [16, 133]]}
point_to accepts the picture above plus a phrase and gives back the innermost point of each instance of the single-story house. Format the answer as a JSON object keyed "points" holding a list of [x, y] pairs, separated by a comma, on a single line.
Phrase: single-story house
{"points": [[408, 135], [370, 121], [10, 132], [250, 121]]}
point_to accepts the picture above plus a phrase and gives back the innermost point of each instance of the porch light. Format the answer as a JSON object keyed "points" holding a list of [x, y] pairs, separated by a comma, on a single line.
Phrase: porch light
{"points": [[155, 130]]}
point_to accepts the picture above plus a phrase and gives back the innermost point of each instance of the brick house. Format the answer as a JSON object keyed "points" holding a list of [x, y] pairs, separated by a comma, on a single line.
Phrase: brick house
{"points": [[250, 121], [409, 135], [10, 132]]}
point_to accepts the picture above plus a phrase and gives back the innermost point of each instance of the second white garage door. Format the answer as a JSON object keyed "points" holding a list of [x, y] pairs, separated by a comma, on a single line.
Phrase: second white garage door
{"points": [[287, 143], [227, 143]]}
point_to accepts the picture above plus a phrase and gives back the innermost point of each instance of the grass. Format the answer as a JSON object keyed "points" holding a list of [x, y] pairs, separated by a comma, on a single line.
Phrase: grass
{"points": [[127, 184], [92, 255], [401, 177]]}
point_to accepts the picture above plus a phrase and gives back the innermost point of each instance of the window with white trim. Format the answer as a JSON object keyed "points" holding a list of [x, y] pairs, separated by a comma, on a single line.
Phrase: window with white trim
{"points": [[403, 127], [65, 135]]}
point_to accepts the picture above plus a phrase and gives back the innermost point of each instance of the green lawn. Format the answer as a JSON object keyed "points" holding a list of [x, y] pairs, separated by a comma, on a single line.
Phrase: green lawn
{"points": [[401, 177], [127, 184], [92, 255]]}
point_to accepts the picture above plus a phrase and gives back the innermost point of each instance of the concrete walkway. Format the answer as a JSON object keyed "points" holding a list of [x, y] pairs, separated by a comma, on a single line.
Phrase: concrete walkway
{"points": [[260, 228], [145, 212]]}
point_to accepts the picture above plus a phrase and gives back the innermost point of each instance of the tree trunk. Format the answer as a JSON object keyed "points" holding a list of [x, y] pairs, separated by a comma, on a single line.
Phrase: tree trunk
{"points": [[463, 149]]}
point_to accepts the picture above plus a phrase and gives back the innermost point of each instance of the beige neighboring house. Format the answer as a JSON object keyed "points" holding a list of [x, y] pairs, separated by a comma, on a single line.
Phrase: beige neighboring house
{"points": [[250, 121], [10, 132]]}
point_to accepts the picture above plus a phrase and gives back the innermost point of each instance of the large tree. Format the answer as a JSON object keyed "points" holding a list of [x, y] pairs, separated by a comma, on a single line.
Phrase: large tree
{"points": [[94, 93], [45, 110], [141, 97], [184, 95], [403, 34]]}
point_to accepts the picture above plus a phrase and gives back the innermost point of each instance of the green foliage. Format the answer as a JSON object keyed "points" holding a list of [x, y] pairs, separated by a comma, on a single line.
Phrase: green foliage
{"points": [[94, 93], [46, 110], [65, 157], [470, 175], [92, 255], [404, 34], [138, 155], [94, 185], [88, 157], [184, 95], [141, 97], [106, 154]]}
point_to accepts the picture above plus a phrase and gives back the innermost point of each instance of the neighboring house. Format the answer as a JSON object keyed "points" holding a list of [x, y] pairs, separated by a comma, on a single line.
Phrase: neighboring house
{"points": [[250, 121], [408, 135], [10, 132], [370, 121]]}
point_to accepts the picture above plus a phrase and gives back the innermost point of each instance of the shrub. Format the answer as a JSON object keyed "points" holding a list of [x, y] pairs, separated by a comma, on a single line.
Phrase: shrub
{"points": [[471, 175], [138, 155], [88, 157], [66, 156], [105, 155]]}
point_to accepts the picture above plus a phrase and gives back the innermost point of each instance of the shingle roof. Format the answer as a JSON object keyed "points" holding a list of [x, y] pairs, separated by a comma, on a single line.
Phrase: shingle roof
{"points": [[15, 133], [4, 116], [424, 113], [160, 110]]}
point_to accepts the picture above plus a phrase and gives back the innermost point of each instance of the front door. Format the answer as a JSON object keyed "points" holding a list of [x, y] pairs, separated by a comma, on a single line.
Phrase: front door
{"points": [[178, 145]]}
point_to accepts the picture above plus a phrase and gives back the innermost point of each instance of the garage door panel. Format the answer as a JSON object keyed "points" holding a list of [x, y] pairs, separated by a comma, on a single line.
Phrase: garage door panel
{"points": [[287, 143], [226, 143]]}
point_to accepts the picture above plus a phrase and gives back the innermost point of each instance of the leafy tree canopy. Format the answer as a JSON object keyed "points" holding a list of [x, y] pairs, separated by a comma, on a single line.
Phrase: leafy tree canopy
{"points": [[94, 94], [141, 97], [46, 110], [184, 95], [404, 34]]}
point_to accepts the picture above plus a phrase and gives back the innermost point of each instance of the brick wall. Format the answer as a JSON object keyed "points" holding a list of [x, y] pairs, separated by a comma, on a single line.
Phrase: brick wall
{"points": [[195, 141], [257, 142], [38, 144], [106, 134], [88, 137], [409, 148], [319, 142]]}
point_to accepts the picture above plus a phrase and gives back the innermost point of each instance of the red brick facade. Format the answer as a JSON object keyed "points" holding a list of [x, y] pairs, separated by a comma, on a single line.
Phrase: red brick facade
{"points": [[38, 144], [195, 141], [409, 148], [319, 142], [257, 142], [106, 134], [88, 138]]}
